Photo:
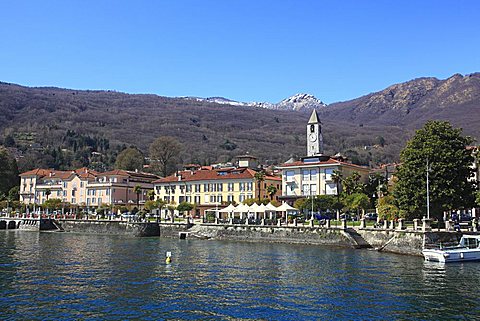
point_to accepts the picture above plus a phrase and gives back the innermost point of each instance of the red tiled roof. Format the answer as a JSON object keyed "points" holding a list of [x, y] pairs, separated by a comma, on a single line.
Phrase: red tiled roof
{"points": [[215, 174], [329, 161], [121, 172]]}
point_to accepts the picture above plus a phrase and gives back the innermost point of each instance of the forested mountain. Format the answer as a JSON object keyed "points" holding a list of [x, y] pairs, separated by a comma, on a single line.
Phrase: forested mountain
{"points": [[62, 128]]}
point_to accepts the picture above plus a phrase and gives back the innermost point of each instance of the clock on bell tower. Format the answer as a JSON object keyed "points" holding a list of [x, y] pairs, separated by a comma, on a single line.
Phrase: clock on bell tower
{"points": [[314, 135]]}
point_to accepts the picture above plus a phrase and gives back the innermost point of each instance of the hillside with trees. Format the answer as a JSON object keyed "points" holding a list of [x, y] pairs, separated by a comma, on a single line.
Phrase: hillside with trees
{"points": [[63, 128]]}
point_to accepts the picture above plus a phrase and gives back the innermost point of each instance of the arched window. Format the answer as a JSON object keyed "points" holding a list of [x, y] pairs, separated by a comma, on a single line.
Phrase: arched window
{"points": [[312, 128]]}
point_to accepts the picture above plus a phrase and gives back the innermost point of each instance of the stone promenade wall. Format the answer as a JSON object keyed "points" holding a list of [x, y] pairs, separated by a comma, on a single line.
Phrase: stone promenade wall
{"points": [[110, 227], [405, 241], [275, 234]]}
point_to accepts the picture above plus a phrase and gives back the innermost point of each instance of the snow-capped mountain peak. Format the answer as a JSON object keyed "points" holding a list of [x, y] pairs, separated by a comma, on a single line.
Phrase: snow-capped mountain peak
{"points": [[296, 102], [301, 101]]}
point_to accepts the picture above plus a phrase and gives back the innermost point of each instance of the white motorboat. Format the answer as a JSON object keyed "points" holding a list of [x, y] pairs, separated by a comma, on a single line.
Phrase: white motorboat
{"points": [[468, 249]]}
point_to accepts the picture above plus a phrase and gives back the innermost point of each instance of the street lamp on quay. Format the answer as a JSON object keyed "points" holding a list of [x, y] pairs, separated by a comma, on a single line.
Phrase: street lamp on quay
{"points": [[428, 191]]}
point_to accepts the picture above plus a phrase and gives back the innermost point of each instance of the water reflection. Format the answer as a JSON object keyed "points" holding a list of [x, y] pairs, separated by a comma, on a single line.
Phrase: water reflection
{"points": [[69, 276]]}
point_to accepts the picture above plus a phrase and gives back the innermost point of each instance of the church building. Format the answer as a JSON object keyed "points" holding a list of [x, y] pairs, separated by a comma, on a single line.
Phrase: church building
{"points": [[314, 174]]}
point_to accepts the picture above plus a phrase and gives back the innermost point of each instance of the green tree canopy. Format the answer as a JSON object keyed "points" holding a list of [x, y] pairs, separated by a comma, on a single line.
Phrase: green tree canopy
{"points": [[444, 148], [164, 153], [8, 171], [130, 159], [184, 207], [271, 191], [320, 203], [387, 208], [53, 203], [357, 202], [352, 184]]}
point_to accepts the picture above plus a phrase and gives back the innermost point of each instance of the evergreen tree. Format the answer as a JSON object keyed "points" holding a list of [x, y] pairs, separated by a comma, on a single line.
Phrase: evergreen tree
{"points": [[8, 172], [444, 149], [130, 159]]}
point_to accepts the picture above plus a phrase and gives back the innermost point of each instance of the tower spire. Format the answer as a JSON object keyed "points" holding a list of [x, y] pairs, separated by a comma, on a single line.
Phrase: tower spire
{"points": [[314, 135]]}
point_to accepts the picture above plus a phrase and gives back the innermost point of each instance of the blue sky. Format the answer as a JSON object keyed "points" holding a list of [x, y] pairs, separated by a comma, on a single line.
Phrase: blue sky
{"points": [[243, 50]]}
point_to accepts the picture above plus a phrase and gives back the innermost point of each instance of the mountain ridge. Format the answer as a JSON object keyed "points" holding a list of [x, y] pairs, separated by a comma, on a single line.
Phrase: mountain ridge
{"points": [[370, 129]]}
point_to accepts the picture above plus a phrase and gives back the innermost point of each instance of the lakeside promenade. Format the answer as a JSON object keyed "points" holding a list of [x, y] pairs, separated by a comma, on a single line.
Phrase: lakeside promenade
{"points": [[396, 237]]}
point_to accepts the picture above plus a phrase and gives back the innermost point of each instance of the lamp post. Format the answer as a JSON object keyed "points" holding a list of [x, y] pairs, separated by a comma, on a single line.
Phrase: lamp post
{"points": [[311, 195], [428, 192]]}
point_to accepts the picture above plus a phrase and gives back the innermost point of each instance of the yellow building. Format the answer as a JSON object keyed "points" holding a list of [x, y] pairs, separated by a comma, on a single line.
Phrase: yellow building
{"points": [[209, 188], [84, 187]]}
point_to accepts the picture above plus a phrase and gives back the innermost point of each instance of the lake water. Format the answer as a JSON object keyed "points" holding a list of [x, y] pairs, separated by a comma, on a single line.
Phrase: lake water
{"points": [[51, 276]]}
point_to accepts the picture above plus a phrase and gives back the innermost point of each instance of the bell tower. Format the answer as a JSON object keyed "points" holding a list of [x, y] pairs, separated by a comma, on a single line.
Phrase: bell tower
{"points": [[314, 135]]}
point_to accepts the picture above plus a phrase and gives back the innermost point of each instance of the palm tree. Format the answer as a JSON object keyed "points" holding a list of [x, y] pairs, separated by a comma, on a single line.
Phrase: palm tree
{"points": [[259, 177], [271, 190], [137, 190], [337, 178], [151, 195], [47, 194]]}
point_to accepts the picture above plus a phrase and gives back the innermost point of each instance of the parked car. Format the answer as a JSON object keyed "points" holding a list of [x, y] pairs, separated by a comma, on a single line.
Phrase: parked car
{"points": [[371, 216], [322, 216]]}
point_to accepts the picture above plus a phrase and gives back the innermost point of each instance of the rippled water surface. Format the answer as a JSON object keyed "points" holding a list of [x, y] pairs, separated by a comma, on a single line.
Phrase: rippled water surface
{"points": [[51, 276]]}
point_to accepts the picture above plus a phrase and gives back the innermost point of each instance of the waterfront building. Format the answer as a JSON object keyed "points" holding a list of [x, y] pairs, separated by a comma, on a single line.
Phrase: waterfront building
{"points": [[85, 187], [213, 188], [313, 174]]}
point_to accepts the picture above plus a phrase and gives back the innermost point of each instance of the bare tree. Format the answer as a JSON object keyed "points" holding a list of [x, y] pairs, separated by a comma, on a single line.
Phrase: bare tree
{"points": [[164, 152]]}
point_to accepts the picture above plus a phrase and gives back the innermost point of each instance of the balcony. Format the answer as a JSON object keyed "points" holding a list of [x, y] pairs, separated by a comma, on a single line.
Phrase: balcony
{"points": [[48, 186]]}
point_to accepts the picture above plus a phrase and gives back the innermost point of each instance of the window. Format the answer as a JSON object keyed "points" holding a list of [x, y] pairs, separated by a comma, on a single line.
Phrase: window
{"points": [[242, 187], [73, 201], [99, 201], [230, 198], [188, 188], [108, 191], [331, 189], [219, 198], [197, 188], [220, 187], [305, 175], [242, 197], [230, 187], [305, 189], [289, 176], [206, 199], [313, 174], [313, 189], [206, 188], [290, 190], [197, 200], [249, 186], [212, 199], [328, 174], [81, 184], [93, 200]]}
